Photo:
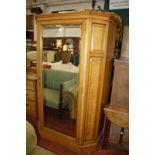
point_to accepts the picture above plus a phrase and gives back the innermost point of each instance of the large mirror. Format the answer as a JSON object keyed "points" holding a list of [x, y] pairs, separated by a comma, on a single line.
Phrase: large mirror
{"points": [[60, 68]]}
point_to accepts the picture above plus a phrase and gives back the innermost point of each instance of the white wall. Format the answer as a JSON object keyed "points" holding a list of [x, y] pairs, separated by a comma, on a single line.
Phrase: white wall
{"points": [[53, 33], [62, 5], [62, 32], [79, 6], [72, 32]]}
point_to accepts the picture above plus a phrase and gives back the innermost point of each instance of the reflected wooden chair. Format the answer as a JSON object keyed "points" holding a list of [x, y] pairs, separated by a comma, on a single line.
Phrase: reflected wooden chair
{"points": [[70, 96], [55, 83]]}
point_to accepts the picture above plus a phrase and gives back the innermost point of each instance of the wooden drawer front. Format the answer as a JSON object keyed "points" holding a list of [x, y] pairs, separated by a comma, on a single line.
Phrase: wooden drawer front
{"points": [[30, 85], [30, 105], [30, 95]]}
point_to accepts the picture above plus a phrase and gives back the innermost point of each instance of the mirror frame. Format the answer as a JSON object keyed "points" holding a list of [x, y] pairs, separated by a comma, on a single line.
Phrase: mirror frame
{"points": [[43, 130]]}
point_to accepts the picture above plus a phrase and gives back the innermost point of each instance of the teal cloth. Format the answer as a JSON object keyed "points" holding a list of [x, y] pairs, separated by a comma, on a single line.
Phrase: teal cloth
{"points": [[52, 79], [71, 86], [51, 97]]}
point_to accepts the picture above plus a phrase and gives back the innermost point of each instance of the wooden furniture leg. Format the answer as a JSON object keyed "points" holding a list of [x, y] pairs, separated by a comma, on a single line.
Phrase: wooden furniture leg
{"points": [[106, 132], [121, 135]]}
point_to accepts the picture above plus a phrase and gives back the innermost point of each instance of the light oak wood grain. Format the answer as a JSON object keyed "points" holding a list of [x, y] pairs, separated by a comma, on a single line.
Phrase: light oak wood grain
{"points": [[30, 85], [98, 31]]}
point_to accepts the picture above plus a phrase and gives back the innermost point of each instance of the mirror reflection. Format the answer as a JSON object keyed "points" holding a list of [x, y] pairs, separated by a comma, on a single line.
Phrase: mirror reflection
{"points": [[61, 51]]}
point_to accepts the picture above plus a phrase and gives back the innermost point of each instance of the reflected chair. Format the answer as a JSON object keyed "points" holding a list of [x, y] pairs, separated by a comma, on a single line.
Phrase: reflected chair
{"points": [[55, 83], [70, 96]]}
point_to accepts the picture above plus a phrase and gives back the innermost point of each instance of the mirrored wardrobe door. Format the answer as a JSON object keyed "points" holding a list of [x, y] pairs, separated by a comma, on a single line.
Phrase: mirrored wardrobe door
{"points": [[60, 69]]}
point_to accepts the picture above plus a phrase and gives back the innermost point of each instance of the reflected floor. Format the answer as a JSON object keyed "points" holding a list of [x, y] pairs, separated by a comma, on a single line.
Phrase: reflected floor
{"points": [[61, 124]]}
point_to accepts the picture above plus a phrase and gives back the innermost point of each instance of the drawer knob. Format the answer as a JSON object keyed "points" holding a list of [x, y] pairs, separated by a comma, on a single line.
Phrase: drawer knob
{"points": [[27, 105]]}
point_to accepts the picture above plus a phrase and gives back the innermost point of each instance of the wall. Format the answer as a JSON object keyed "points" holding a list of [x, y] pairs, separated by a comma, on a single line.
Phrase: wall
{"points": [[83, 4], [124, 13], [76, 4]]}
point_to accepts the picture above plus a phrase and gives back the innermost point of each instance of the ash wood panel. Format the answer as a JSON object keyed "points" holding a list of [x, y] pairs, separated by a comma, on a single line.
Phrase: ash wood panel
{"points": [[30, 85], [83, 79], [30, 95], [98, 33], [39, 78], [93, 98]]}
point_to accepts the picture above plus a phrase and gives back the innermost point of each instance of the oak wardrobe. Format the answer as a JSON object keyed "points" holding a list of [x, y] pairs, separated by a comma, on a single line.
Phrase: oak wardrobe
{"points": [[74, 62]]}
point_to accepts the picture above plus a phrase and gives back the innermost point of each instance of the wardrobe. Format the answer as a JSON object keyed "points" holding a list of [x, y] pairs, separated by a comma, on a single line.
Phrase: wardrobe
{"points": [[71, 98]]}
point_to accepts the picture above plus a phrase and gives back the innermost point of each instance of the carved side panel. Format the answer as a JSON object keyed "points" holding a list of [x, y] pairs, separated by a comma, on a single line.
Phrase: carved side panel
{"points": [[97, 41], [93, 98]]}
